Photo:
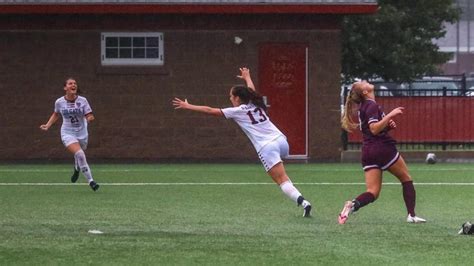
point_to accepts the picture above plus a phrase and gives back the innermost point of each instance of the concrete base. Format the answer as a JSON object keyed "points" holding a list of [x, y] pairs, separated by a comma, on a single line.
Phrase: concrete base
{"points": [[418, 156]]}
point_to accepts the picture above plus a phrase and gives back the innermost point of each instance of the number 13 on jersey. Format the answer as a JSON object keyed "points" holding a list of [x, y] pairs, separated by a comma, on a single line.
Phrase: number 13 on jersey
{"points": [[261, 116]]}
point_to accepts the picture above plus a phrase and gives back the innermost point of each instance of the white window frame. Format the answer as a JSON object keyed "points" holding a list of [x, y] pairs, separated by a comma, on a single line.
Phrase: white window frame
{"points": [[132, 61]]}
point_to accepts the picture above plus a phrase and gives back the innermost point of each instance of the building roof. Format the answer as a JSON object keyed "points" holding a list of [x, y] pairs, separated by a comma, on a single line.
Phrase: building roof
{"points": [[33, 2], [187, 6]]}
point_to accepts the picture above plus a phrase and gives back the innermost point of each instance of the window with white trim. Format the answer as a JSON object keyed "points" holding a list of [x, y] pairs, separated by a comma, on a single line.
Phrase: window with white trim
{"points": [[132, 48]]}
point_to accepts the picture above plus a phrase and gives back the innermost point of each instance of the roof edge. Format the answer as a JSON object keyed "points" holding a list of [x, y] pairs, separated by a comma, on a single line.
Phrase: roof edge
{"points": [[364, 8]]}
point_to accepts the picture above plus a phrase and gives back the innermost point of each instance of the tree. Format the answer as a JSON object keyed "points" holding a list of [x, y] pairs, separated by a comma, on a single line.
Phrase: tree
{"points": [[396, 43]]}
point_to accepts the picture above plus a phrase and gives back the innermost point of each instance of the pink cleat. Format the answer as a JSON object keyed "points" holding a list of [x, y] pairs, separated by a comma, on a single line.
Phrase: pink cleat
{"points": [[348, 208]]}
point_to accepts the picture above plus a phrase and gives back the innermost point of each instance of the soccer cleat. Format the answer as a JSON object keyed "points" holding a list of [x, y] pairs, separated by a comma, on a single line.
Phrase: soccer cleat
{"points": [[348, 209], [94, 185], [415, 219], [75, 175], [307, 208], [466, 229]]}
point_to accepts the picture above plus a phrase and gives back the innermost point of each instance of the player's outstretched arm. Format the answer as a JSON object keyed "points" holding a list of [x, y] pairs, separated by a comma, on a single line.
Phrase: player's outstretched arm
{"points": [[52, 119], [180, 104], [245, 75]]}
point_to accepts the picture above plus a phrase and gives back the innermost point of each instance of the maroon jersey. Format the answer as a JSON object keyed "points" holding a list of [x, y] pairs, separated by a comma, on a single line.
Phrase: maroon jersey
{"points": [[378, 151], [370, 112]]}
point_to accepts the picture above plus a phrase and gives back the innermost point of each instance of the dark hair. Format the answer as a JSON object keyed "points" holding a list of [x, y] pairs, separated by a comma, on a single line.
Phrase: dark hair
{"points": [[247, 95], [70, 78]]}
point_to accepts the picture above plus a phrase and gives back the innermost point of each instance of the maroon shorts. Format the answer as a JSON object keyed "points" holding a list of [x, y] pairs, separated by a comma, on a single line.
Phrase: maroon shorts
{"points": [[379, 156]]}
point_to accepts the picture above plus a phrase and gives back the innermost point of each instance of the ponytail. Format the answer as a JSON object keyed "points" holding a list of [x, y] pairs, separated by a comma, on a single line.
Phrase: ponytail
{"points": [[347, 120], [257, 99], [248, 95]]}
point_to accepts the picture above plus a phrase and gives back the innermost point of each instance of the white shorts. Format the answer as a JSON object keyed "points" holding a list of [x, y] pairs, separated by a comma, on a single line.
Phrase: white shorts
{"points": [[70, 139], [272, 153]]}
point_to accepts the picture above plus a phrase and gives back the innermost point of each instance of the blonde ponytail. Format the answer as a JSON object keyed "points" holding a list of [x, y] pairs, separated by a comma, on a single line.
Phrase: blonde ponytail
{"points": [[347, 121]]}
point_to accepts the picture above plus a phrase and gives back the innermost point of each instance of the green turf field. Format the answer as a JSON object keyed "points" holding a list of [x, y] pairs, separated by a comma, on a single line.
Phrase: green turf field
{"points": [[228, 214]]}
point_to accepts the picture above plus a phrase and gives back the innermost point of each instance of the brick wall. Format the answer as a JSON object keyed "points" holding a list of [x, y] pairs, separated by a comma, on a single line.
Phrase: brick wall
{"points": [[132, 105]]}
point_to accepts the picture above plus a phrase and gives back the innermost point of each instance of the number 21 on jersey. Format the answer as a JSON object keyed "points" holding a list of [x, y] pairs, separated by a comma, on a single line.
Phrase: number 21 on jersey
{"points": [[73, 119]]}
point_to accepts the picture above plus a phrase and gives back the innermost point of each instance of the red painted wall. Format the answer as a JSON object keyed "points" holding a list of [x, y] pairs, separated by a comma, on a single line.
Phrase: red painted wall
{"points": [[282, 75], [430, 119]]}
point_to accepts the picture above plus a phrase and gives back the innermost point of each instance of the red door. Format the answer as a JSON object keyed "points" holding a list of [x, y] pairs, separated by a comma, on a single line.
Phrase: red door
{"points": [[283, 81]]}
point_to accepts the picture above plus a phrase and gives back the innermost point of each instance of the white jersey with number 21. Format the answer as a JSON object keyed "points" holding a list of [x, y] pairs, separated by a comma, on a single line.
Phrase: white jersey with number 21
{"points": [[73, 113], [254, 122]]}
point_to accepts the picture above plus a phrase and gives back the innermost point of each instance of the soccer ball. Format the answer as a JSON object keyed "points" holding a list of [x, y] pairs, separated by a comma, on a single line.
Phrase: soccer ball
{"points": [[431, 158]]}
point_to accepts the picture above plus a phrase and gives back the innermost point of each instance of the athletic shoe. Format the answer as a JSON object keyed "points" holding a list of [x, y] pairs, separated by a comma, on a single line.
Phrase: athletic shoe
{"points": [[75, 175], [307, 208], [348, 209], [466, 229], [415, 219], [94, 185]]}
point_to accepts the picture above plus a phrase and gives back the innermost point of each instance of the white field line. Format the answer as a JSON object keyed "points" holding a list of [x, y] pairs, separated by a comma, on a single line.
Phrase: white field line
{"points": [[232, 170], [232, 184]]}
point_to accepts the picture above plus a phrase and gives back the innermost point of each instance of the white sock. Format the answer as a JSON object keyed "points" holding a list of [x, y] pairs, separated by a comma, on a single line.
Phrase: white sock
{"points": [[80, 157], [290, 190]]}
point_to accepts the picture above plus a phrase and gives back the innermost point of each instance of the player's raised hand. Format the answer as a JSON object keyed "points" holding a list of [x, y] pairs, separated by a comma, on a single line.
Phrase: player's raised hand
{"points": [[180, 104], [396, 111], [244, 73]]}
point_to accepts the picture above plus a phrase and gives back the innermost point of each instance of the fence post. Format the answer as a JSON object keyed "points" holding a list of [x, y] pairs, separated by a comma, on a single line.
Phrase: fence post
{"points": [[444, 112], [463, 84]]}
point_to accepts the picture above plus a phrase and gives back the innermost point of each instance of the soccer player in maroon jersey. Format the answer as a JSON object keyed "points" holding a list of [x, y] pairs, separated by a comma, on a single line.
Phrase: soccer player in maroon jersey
{"points": [[379, 152]]}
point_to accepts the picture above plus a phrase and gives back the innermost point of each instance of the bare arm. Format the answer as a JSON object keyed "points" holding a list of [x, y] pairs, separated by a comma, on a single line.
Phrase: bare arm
{"points": [[52, 119], [377, 127], [90, 117], [245, 75], [180, 104]]}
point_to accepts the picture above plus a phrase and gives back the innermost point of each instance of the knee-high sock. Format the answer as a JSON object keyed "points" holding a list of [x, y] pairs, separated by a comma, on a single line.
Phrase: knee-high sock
{"points": [[290, 190], [80, 157], [363, 199], [409, 196]]}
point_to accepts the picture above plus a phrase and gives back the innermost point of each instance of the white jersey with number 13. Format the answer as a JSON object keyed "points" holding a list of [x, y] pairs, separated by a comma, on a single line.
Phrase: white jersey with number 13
{"points": [[255, 123]]}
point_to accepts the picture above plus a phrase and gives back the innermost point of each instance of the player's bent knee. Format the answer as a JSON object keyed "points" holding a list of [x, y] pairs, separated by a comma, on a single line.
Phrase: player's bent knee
{"points": [[80, 156]]}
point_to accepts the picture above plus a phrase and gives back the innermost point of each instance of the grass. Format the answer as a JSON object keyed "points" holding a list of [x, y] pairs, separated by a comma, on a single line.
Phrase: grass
{"points": [[180, 222]]}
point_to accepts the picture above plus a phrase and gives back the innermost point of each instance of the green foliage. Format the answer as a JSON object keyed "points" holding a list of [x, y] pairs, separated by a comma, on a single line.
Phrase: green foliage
{"points": [[396, 42], [168, 216]]}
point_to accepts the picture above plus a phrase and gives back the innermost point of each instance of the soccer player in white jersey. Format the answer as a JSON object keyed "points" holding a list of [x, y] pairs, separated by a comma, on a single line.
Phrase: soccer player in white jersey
{"points": [[76, 114], [248, 112]]}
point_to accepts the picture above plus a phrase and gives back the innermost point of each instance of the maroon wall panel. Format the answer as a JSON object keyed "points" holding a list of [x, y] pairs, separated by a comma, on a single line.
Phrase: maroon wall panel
{"points": [[430, 119]]}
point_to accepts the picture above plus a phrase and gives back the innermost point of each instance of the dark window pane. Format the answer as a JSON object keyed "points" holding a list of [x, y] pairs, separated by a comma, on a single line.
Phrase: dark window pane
{"points": [[139, 53], [151, 53], [111, 53], [125, 53], [139, 42], [152, 42], [111, 42], [125, 42]]}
